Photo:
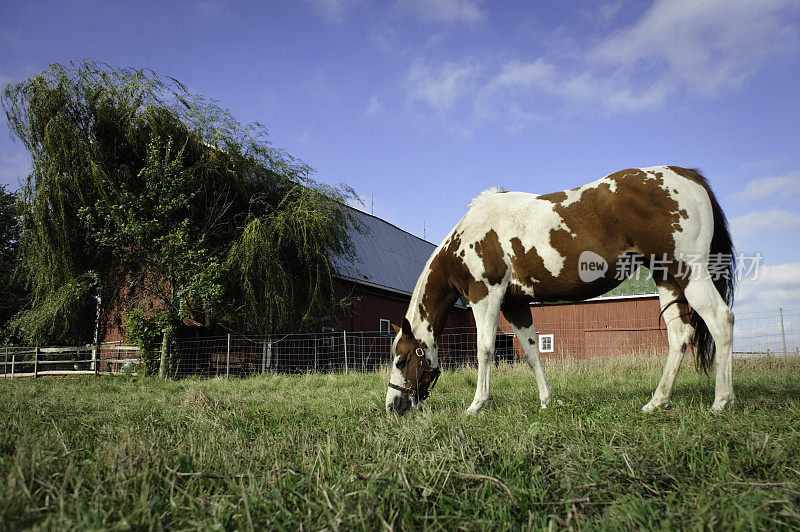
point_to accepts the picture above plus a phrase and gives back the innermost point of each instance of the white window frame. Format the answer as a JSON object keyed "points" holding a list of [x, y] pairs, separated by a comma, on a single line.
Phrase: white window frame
{"points": [[542, 337], [387, 329]]}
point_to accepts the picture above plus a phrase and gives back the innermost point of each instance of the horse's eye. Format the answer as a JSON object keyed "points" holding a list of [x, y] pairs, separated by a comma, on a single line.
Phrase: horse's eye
{"points": [[401, 363]]}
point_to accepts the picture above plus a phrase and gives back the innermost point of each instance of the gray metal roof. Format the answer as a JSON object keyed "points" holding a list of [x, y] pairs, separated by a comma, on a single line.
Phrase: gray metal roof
{"points": [[384, 255]]}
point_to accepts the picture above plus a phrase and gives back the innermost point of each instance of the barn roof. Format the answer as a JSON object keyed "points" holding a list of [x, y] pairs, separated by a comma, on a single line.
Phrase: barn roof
{"points": [[639, 283], [388, 257], [384, 255]]}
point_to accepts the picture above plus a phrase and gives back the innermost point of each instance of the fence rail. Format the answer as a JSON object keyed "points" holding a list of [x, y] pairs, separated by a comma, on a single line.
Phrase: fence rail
{"points": [[77, 360], [344, 351]]}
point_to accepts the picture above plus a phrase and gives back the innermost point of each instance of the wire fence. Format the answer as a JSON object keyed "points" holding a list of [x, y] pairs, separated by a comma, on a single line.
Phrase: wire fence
{"points": [[773, 334]]}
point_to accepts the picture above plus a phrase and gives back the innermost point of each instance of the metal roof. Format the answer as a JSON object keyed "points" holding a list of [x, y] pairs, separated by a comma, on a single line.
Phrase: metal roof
{"points": [[384, 255], [639, 283]]}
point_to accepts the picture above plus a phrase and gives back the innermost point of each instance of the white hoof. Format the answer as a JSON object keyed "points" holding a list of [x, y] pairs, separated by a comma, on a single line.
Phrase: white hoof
{"points": [[721, 404], [545, 400], [475, 408], [652, 407]]}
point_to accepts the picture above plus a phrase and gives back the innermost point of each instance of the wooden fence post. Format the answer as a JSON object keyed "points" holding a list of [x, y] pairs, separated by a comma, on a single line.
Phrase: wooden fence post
{"points": [[264, 357], [228, 363], [344, 334], [13, 359], [5, 364], [36, 362], [162, 368], [783, 335]]}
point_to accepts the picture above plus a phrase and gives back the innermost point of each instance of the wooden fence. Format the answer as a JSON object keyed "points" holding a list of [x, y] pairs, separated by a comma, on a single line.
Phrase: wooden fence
{"points": [[35, 362]]}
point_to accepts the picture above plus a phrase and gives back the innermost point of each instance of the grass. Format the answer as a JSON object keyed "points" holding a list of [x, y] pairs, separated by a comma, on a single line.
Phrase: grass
{"points": [[318, 451]]}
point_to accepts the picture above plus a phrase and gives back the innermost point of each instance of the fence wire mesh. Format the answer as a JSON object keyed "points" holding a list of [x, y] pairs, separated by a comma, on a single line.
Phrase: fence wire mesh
{"points": [[755, 335]]}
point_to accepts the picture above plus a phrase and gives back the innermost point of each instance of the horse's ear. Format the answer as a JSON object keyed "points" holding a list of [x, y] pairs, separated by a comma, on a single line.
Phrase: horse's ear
{"points": [[396, 328], [407, 328]]}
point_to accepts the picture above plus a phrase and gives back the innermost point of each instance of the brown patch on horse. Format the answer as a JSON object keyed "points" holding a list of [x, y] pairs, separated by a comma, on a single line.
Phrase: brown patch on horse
{"points": [[517, 312], [447, 277], [491, 252], [678, 299], [555, 197], [639, 214]]}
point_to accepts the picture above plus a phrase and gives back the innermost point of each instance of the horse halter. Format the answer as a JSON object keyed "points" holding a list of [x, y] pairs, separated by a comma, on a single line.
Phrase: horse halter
{"points": [[426, 368]]}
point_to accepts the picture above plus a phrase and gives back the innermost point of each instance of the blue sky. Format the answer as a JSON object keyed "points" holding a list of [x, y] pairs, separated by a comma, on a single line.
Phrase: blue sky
{"points": [[421, 104]]}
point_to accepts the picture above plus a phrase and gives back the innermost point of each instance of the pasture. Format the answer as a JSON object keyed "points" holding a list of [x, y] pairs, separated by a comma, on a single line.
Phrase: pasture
{"points": [[318, 451]]}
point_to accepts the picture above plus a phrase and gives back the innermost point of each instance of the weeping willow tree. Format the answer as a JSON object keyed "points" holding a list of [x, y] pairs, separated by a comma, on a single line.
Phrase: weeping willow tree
{"points": [[148, 198]]}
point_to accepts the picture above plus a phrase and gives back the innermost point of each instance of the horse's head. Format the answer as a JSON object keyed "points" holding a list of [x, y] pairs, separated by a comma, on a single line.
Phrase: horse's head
{"points": [[412, 374]]}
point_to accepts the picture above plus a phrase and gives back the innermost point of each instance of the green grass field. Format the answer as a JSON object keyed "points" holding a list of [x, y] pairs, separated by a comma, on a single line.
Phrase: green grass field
{"points": [[318, 451]]}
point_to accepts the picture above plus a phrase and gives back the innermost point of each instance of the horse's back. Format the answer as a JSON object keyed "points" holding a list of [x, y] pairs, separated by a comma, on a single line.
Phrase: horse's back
{"points": [[538, 239]]}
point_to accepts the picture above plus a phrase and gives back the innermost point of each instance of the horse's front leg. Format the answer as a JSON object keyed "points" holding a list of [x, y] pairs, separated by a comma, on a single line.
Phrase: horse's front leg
{"points": [[486, 312]]}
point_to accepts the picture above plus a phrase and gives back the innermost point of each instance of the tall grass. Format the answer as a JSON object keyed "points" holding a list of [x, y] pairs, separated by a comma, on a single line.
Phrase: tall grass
{"points": [[318, 451]]}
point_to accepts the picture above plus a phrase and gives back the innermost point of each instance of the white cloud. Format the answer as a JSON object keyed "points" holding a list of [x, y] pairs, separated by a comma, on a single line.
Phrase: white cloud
{"points": [[332, 11], [604, 13], [373, 107], [217, 9], [675, 48], [447, 11], [439, 86], [709, 46], [539, 73], [766, 220], [773, 188], [776, 286]]}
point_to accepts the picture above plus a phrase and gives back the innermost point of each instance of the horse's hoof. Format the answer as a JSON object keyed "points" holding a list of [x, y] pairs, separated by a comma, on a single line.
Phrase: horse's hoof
{"points": [[474, 410], [721, 404], [651, 407]]}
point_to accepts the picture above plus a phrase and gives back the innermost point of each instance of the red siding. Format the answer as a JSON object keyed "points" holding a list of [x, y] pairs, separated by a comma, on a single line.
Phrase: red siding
{"points": [[370, 305], [602, 328]]}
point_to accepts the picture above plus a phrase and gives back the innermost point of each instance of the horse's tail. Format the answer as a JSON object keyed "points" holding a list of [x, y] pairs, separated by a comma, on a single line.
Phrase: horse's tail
{"points": [[722, 250]]}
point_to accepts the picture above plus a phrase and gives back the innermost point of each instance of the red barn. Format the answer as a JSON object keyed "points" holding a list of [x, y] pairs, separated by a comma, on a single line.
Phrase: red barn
{"points": [[624, 321], [378, 279]]}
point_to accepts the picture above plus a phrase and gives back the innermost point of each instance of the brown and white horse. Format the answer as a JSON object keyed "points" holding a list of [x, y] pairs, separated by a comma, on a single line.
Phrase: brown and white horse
{"points": [[513, 248]]}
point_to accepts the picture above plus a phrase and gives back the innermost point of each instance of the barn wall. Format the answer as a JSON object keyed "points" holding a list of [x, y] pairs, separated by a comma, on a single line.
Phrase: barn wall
{"points": [[604, 328], [370, 305]]}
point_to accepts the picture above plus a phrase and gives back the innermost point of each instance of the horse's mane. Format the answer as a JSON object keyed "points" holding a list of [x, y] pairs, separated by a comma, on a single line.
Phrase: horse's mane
{"points": [[485, 194]]}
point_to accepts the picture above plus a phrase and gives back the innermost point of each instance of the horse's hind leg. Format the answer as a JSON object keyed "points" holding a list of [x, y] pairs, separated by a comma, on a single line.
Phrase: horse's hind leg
{"points": [[706, 301], [522, 323], [487, 315], [679, 333]]}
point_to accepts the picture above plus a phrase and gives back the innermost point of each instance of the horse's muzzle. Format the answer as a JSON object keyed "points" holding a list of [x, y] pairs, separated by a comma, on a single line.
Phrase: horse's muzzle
{"points": [[400, 405]]}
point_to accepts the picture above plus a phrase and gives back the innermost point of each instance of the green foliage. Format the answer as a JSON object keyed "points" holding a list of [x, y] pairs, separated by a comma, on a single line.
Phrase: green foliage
{"points": [[147, 332], [159, 195], [12, 290], [312, 452]]}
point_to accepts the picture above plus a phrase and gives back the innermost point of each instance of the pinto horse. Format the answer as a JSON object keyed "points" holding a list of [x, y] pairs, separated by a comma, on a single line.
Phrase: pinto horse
{"points": [[514, 248]]}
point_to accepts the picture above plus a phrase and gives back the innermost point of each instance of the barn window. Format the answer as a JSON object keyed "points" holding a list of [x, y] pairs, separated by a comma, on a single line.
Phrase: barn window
{"points": [[384, 326], [546, 343]]}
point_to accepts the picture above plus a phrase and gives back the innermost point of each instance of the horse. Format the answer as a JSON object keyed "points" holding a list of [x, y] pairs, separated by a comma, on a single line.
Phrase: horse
{"points": [[513, 248]]}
